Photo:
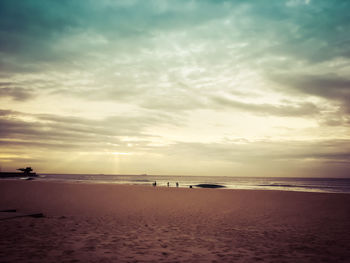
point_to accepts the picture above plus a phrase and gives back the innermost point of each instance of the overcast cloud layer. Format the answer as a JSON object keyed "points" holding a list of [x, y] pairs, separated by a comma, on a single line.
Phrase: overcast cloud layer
{"points": [[244, 88]]}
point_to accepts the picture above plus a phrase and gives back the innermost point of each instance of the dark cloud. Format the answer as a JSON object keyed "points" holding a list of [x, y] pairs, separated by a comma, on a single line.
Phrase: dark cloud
{"points": [[330, 87], [7, 113], [54, 131], [289, 110], [20, 94], [275, 158], [336, 119], [314, 32], [261, 151]]}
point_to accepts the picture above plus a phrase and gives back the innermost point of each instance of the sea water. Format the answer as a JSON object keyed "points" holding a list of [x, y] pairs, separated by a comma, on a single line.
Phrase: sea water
{"points": [[330, 185]]}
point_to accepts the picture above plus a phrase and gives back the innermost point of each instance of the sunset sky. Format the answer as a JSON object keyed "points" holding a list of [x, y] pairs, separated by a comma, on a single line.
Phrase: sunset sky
{"points": [[241, 88]]}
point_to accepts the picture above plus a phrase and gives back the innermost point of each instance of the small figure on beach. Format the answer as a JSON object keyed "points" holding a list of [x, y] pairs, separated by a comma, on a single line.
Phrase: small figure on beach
{"points": [[155, 183], [177, 184], [168, 184], [190, 186]]}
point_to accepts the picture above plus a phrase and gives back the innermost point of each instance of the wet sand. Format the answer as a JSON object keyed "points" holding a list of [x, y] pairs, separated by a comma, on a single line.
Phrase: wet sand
{"points": [[120, 223]]}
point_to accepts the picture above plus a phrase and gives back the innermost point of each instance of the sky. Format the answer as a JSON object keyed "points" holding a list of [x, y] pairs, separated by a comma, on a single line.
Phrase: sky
{"points": [[229, 88]]}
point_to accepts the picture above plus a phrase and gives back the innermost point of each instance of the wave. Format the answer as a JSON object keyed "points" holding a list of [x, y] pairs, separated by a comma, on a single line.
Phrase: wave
{"points": [[299, 186], [142, 181], [279, 185]]}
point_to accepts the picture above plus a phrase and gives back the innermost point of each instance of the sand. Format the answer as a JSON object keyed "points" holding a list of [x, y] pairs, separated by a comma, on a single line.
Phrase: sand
{"points": [[121, 223]]}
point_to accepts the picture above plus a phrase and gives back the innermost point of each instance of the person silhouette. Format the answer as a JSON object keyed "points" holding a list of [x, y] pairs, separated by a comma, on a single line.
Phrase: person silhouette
{"points": [[168, 184], [155, 183], [177, 184]]}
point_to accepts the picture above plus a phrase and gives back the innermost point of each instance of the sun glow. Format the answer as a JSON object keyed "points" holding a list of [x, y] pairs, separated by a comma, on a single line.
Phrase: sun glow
{"points": [[120, 153]]}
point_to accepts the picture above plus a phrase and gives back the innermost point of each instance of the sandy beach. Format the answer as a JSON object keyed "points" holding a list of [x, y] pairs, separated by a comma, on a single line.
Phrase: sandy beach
{"points": [[122, 223]]}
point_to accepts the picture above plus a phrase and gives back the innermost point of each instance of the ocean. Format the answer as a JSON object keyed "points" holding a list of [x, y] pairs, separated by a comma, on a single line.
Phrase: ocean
{"points": [[328, 185]]}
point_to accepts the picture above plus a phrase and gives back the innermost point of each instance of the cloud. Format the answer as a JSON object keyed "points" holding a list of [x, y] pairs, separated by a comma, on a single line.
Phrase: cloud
{"points": [[267, 150], [46, 135], [7, 113], [160, 71], [125, 46], [330, 87], [65, 31], [20, 94], [290, 110], [69, 32], [52, 131], [271, 158]]}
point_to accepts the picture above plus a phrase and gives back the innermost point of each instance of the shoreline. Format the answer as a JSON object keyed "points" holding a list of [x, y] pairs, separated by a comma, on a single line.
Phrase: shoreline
{"points": [[222, 187]]}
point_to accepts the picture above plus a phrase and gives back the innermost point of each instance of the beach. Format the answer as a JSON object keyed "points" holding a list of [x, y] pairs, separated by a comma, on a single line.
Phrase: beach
{"points": [[89, 222]]}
